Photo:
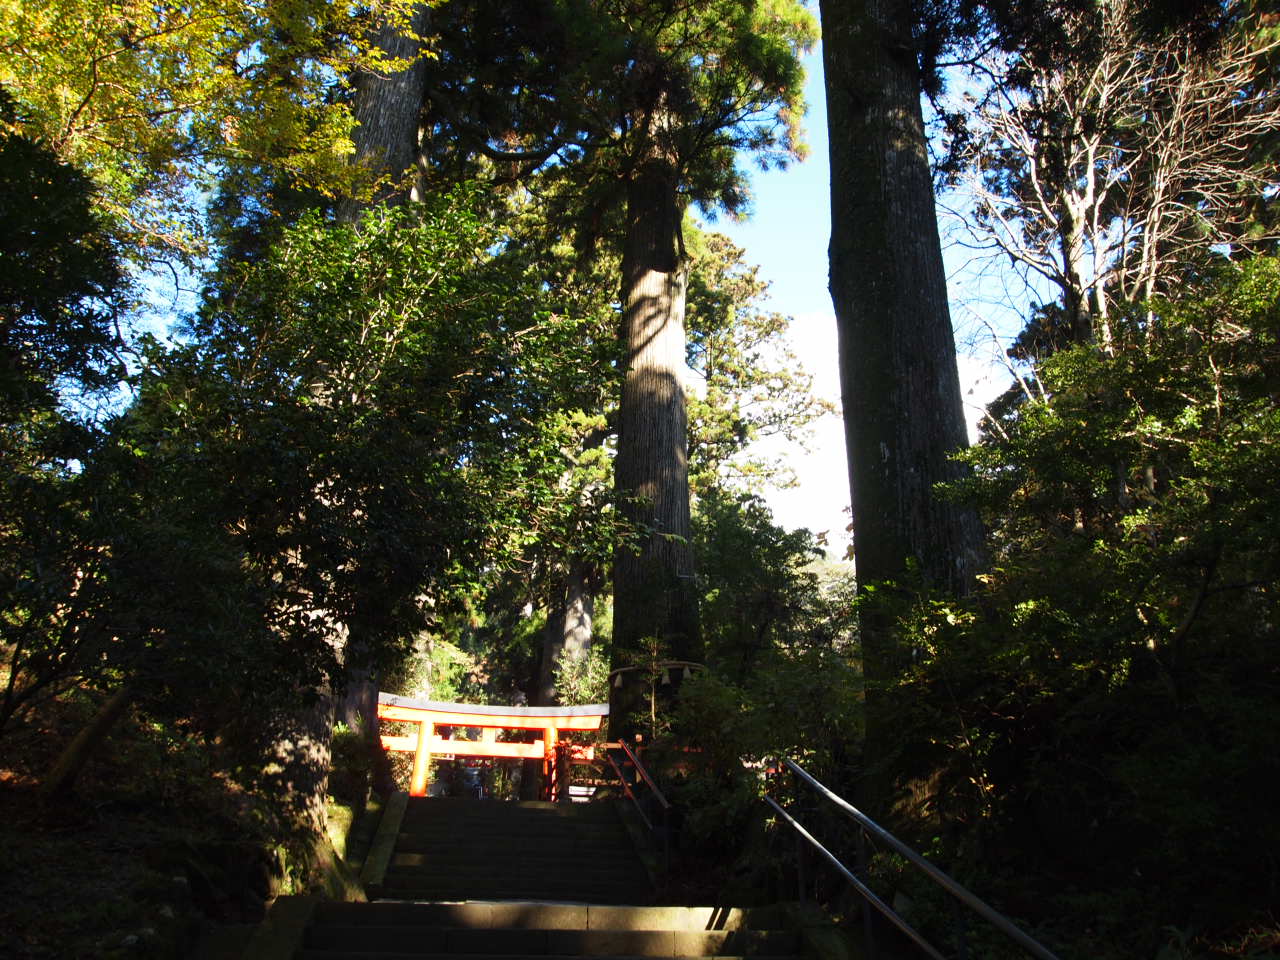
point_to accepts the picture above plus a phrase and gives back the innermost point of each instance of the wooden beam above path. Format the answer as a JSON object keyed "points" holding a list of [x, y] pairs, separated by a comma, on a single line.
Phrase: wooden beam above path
{"points": [[589, 717], [431, 714]]}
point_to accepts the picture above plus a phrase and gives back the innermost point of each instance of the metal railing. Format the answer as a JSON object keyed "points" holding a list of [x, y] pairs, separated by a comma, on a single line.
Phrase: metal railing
{"points": [[868, 827], [658, 816]]}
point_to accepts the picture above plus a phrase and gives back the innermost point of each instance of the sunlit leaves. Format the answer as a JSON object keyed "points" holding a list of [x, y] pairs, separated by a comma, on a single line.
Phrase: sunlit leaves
{"points": [[154, 99]]}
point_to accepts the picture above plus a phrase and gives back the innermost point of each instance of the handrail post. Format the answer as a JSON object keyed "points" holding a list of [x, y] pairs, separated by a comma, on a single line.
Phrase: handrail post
{"points": [[631, 763], [800, 884], [868, 918], [962, 920], [666, 846]]}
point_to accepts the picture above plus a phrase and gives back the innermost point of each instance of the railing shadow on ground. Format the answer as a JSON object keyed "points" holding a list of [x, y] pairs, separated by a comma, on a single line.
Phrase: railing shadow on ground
{"points": [[867, 831]]}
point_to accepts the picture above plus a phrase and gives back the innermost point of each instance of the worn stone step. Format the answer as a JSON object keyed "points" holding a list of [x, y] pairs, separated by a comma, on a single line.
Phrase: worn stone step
{"points": [[512, 830], [605, 893], [470, 809], [425, 865], [514, 824], [513, 863], [317, 954], [611, 897], [507, 828], [534, 843], [512, 855], [553, 872], [536, 942], [532, 914], [606, 817]]}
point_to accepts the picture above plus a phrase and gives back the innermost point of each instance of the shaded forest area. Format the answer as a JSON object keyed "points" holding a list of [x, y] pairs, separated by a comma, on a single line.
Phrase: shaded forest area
{"points": [[461, 403]]}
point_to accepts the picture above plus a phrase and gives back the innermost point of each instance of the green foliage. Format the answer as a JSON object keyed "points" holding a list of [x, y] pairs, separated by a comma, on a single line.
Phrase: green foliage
{"points": [[351, 766], [583, 679], [59, 280], [435, 670], [154, 99], [777, 638], [59, 286], [583, 93], [1100, 712], [754, 386], [354, 422]]}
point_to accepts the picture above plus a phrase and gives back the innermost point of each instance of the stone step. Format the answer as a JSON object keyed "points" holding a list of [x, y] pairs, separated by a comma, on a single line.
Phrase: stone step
{"points": [[513, 862], [428, 823], [463, 861], [313, 954], [432, 889], [533, 942], [473, 810], [634, 894], [464, 849], [545, 916], [452, 829], [417, 842]]}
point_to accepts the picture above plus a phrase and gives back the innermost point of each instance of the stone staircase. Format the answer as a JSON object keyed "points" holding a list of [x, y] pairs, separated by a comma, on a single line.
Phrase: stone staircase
{"points": [[487, 880], [513, 929], [454, 849]]}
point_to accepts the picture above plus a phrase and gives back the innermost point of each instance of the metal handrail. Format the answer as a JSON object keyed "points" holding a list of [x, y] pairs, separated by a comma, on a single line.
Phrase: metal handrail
{"points": [[893, 916], [1002, 923], [663, 802], [640, 769]]}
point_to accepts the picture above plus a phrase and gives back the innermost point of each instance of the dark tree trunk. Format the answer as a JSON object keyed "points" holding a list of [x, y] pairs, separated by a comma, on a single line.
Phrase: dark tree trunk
{"points": [[901, 390], [654, 593], [62, 778], [297, 775], [387, 111], [902, 405]]}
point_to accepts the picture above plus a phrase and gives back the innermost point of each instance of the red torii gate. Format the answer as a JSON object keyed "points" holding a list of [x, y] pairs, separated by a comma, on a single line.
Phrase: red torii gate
{"points": [[429, 714]]}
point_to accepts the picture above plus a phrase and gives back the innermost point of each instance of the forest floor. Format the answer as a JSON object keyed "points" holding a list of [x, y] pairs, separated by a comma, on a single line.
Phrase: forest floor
{"points": [[147, 854]]}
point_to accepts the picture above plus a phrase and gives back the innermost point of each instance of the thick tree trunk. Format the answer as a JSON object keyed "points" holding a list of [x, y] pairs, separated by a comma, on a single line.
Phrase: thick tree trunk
{"points": [[654, 593], [902, 405], [297, 772], [77, 753], [568, 632], [387, 111], [901, 390]]}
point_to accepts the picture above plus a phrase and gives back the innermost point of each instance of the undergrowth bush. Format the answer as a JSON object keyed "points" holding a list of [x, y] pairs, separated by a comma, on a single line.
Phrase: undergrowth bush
{"points": [[1098, 722]]}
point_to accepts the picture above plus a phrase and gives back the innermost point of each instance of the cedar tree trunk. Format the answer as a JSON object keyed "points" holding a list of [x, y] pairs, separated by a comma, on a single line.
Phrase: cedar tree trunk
{"points": [[568, 632], [387, 111], [654, 593], [902, 407]]}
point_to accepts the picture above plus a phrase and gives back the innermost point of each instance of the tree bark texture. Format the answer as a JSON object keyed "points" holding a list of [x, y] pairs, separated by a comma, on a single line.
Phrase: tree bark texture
{"points": [[903, 412], [297, 773], [654, 592], [387, 111], [568, 632]]}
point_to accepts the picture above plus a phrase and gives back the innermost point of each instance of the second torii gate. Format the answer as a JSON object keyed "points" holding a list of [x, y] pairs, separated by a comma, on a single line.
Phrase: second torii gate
{"points": [[429, 714]]}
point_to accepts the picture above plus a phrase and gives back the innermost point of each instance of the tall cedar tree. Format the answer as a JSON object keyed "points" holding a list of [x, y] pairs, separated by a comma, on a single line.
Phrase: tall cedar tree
{"points": [[899, 383], [704, 81], [644, 107]]}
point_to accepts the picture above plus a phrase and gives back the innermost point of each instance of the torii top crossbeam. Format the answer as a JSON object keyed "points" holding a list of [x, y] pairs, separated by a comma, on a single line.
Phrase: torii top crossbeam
{"points": [[428, 714]]}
